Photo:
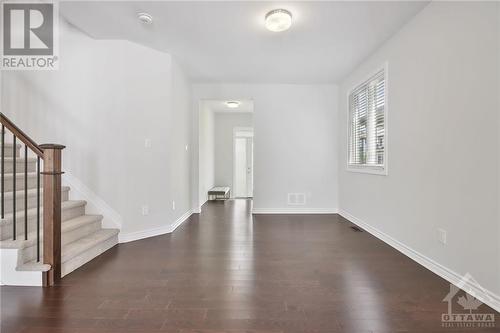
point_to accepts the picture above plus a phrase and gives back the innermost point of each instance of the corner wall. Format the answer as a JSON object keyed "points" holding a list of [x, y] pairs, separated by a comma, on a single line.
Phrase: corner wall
{"points": [[203, 152], [106, 99], [443, 125]]}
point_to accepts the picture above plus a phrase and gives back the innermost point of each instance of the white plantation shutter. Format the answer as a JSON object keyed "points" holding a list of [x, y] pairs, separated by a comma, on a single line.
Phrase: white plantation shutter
{"points": [[367, 123]]}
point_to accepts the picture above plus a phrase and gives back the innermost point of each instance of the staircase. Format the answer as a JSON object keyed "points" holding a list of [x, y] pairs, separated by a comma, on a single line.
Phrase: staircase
{"points": [[43, 234]]}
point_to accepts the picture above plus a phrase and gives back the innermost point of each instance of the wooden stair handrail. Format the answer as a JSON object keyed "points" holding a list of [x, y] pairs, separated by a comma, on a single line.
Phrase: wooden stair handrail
{"points": [[51, 154], [21, 135], [52, 172]]}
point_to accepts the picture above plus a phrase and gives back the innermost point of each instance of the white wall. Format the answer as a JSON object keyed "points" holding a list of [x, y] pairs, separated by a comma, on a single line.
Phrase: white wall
{"points": [[106, 99], [295, 142], [443, 135], [498, 116], [204, 152], [224, 125], [180, 139]]}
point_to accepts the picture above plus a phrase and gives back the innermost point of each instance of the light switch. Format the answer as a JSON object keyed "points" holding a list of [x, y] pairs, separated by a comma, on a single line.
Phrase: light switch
{"points": [[442, 236]]}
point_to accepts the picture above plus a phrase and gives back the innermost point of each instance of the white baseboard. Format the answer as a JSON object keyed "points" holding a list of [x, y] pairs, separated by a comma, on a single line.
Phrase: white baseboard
{"points": [[469, 285], [95, 204], [137, 235], [294, 210], [202, 202]]}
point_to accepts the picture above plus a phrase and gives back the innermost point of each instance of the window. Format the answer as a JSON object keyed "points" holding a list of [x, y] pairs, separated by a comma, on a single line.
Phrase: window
{"points": [[367, 130]]}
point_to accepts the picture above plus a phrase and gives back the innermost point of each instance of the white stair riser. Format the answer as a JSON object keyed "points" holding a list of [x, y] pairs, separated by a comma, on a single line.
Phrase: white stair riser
{"points": [[9, 166], [86, 256], [32, 200], [32, 182], [29, 253], [6, 231]]}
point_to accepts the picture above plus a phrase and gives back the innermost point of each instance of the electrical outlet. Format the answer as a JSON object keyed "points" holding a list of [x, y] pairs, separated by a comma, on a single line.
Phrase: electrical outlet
{"points": [[145, 210], [442, 236], [296, 199], [147, 143], [173, 205]]}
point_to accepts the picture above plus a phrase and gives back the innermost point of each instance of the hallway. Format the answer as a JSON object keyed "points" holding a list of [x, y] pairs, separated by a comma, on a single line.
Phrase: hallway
{"points": [[226, 271]]}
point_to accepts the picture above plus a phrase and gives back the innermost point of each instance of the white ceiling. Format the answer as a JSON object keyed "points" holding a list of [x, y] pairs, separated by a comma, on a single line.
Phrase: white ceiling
{"points": [[227, 41]]}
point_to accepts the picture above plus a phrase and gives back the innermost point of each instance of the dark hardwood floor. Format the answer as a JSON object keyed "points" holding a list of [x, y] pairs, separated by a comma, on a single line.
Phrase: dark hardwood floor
{"points": [[224, 271]]}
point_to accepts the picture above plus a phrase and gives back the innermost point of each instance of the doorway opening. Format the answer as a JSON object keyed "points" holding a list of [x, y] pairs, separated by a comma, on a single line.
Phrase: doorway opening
{"points": [[243, 162], [226, 150]]}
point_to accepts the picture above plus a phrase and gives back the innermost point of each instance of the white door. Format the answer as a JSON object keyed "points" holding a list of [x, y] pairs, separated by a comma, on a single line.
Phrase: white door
{"points": [[243, 165]]}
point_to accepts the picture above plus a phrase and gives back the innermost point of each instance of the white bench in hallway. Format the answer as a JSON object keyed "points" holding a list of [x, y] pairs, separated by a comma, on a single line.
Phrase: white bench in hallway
{"points": [[219, 192]]}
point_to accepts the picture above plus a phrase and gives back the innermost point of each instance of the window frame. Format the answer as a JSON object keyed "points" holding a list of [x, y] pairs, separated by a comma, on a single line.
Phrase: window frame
{"points": [[366, 168]]}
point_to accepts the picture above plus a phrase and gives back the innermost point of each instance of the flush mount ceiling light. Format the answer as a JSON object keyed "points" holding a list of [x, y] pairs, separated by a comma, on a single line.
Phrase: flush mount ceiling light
{"points": [[278, 20], [232, 104], [145, 18]]}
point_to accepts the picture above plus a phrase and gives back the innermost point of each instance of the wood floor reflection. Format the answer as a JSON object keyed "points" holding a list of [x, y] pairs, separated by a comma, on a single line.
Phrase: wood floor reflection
{"points": [[226, 271]]}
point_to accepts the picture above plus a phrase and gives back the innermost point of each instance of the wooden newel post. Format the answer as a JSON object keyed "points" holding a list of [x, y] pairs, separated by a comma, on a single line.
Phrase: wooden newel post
{"points": [[52, 171]]}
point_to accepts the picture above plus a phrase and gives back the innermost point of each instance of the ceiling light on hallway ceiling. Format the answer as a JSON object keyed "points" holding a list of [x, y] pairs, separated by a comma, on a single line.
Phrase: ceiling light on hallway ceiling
{"points": [[145, 18], [278, 20], [232, 104]]}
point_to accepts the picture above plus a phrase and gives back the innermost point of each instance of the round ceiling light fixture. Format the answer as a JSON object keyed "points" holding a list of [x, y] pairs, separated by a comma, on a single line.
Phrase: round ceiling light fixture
{"points": [[145, 18], [232, 104], [278, 20]]}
